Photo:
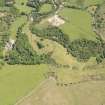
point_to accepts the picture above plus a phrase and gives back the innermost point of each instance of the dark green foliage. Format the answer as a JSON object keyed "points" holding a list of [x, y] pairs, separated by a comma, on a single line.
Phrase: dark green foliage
{"points": [[53, 33], [82, 49], [40, 45], [23, 53], [34, 3]]}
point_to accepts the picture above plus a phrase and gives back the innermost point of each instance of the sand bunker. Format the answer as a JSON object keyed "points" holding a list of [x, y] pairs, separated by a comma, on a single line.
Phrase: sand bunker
{"points": [[56, 21]]}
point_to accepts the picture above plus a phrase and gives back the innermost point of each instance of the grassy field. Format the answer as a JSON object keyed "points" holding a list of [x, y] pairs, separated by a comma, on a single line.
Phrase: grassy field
{"points": [[17, 81], [21, 5], [16, 24], [77, 24], [46, 8], [2, 3], [89, 93], [93, 2], [85, 3]]}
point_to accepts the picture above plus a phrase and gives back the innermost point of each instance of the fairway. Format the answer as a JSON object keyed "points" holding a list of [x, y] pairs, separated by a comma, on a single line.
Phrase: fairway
{"points": [[18, 81], [77, 24], [1, 3], [22, 6], [46, 8]]}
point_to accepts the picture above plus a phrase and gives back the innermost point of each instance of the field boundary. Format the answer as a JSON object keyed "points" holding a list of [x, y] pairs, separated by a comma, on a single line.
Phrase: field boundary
{"points": [[31, 92]]}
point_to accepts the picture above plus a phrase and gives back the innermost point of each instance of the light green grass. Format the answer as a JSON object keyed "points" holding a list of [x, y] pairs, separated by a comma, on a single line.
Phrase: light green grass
{"points": [[22, 8], [16, 24], [2, 3], [77, 24], [17, 81], [86, 3], [81, 71], [46, 8], [93, 2]]}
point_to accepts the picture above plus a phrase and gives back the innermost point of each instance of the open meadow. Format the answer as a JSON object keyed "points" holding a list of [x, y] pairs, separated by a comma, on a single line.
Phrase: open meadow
{"points": [[77, 24], [17, 81], [89, 93]]}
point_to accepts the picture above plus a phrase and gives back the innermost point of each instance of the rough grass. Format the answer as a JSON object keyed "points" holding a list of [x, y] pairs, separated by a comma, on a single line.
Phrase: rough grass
{"points": [[17, 81], [79, 72], [77, 24], [89, 93]]}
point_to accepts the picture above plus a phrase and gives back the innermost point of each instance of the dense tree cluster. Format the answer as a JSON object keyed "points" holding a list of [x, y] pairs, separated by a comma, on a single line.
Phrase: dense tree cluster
{"points": [[82, 49], [34, 3], [76, 4], [23, 53], [99, 20], [4, 34], [53, 33]]}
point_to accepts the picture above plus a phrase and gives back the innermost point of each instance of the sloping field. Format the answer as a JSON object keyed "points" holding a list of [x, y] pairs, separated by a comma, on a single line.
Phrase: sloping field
{"points": [[17, 81], [89, 93]]}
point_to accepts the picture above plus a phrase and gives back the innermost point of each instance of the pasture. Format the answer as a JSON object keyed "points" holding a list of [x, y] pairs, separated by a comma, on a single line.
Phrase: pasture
{"points": [[89, 93], [17, 81], [83, 3], [77, 24]]}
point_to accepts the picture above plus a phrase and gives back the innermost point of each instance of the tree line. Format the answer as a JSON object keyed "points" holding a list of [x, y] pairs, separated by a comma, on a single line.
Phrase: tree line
{"points": [[82, 49], [23, 52]]}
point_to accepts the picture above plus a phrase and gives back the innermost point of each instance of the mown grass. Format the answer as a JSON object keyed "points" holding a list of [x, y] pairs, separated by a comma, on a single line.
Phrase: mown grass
{"points": [[85, 3], [2, 3], [77, 24], [16, 81]]}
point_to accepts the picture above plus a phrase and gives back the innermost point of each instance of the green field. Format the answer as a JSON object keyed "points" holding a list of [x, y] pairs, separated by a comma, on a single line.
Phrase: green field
{"points": [[77, 24], [21, 5], [73, 82], [84, 3], [1, 3], [46, 8], [93, 2], [17, 81]]}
